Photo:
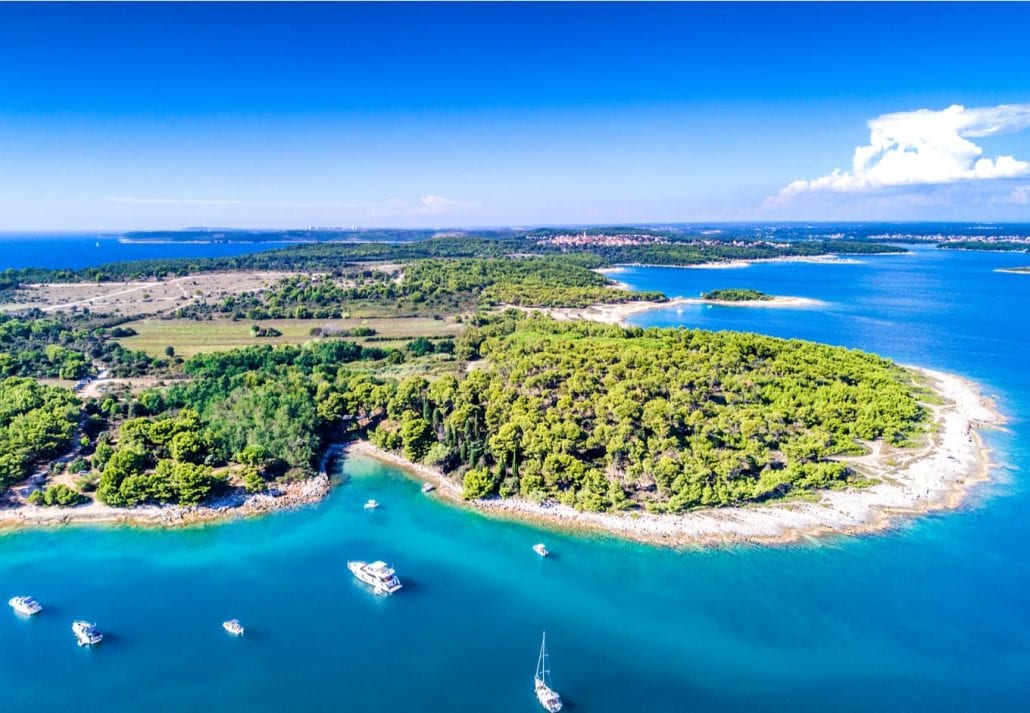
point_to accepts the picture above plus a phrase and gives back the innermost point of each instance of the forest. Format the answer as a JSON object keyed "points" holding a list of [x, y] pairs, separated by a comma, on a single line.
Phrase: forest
{"points": [[428, 287], [595, 416], [66, 347], [37, 422], [249, 415], [600, 417]]}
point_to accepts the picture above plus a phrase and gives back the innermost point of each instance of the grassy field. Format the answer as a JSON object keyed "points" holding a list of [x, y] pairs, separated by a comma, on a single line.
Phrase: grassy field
{"points": [[188, 337]]}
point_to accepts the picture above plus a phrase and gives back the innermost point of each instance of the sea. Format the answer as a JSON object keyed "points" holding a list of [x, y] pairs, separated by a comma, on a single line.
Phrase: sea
{"points": [[932, 615], [79, 250]]}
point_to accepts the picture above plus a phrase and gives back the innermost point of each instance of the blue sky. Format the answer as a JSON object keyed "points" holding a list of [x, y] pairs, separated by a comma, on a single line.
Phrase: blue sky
{"points": [[160, 116]]}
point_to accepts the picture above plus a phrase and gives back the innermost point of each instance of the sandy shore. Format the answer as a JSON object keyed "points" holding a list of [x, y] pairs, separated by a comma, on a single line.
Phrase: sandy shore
{"points": [[936, 476], [737, 264], [780, 301], [615, 313], [619, 313]]}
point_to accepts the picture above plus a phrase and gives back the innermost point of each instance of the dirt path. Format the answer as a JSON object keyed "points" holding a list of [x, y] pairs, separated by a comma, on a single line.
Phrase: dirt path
{"points": [[137, 286]]}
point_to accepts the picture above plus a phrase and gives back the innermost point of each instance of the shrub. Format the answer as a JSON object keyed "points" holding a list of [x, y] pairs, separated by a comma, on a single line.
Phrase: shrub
{"points": [[58, 494]]}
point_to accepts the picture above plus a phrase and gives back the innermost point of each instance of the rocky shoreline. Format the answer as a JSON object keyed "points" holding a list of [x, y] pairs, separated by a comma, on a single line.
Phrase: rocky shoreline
{"points": [[234, 504]]}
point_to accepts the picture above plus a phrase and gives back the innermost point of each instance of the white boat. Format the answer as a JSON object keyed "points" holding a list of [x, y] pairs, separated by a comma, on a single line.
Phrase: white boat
{"points": [[371, 505], [428, 487], [234, 627], [87, 634], [547, 696], [540, 549], [378, 575], [25, 605]]}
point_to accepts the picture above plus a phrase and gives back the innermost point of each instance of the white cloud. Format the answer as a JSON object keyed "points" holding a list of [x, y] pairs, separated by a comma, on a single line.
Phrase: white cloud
{"points": [[439, 204], [924, 147], [1020, 195]]}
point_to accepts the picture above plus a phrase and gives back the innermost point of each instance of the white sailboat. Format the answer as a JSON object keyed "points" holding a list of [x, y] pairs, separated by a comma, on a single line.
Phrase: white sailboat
{"points": [[548, 697]]}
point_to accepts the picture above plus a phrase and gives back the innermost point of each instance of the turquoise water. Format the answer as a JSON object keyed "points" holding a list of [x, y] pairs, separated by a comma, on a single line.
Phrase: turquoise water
{"points": [[930, 617]]}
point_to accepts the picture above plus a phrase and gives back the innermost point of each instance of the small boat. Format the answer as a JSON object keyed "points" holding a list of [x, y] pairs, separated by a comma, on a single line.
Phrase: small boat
{"points": [[428, 487], [87, 634], [378, 575], [234, 627], [540, 549], [371, 505], [548, 697], [26, 606]]}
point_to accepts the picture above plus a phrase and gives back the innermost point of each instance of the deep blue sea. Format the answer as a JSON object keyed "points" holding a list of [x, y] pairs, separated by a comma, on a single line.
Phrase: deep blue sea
{"points": [[933, 616], [77, 250]]}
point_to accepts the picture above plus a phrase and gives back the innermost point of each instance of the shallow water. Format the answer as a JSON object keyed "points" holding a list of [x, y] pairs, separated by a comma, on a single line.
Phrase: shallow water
{"points": [[929, 617]]}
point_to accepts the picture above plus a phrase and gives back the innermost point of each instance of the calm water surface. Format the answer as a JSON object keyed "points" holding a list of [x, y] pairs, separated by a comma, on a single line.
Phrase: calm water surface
{"points": [[78, 250], [931, 617]]}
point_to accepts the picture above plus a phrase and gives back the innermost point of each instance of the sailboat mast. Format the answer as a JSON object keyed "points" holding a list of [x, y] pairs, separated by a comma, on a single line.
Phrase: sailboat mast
{"points": [[541, 665]]}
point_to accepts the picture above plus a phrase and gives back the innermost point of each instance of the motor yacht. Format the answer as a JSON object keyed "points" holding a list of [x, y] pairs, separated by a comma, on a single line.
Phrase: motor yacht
{"points": [[87, 634], [26, 606], [378, 575]]}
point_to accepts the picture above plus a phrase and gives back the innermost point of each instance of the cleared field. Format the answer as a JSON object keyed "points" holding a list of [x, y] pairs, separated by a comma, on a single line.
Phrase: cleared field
{"points": [[143, 297], [188, 337]]}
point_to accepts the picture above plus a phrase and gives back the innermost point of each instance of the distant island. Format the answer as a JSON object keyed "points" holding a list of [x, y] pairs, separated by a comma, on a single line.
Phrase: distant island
{"points": [[176, 391], [735, 295], [1019, 244], [744, 297]]}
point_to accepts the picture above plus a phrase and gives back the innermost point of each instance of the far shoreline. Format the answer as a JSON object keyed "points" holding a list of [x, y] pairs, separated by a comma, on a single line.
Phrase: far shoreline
{"points": [[829, 259]]}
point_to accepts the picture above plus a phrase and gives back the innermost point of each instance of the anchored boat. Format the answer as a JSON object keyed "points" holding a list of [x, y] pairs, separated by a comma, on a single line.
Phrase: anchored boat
{"points": [[428, 487], [87, 634], [234, 627], [26, 606], [547, 696], [540, 549], [378, 575], [371, 505]]}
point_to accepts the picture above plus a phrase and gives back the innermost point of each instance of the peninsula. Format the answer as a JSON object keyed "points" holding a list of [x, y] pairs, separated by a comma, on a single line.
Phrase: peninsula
{"points": [[221, 397]]}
